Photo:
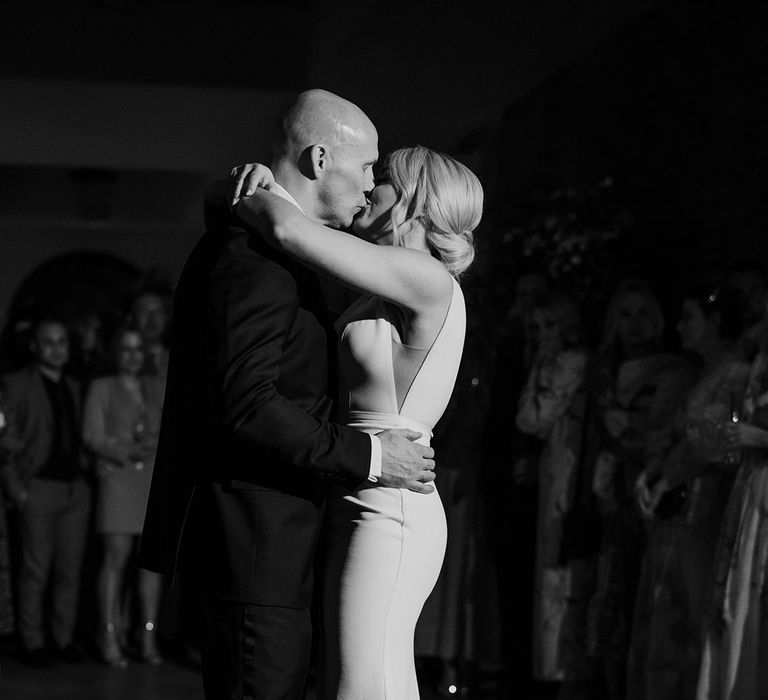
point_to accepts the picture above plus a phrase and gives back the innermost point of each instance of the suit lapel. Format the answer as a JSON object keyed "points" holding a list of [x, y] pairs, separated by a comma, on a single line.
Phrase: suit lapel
{"points": [[39, 395], [74, 393], [311, 298]]}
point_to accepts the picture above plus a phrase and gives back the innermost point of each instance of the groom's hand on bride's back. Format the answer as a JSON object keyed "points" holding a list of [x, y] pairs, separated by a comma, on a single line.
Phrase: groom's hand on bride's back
{"points": [[406, 464]]}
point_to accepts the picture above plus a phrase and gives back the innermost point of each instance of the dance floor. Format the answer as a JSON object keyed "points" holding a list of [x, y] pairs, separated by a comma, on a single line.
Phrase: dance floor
{"points": [[93, 681]]}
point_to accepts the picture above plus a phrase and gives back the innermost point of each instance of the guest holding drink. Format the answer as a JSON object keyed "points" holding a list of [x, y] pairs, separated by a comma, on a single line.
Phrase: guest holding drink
{"points": [[735, 637], [684, 494], [552, 408], [121, 423], [636, 388]]}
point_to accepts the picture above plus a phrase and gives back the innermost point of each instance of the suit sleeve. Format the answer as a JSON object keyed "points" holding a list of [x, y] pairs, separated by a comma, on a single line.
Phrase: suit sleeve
{"points": [[252, 312]]}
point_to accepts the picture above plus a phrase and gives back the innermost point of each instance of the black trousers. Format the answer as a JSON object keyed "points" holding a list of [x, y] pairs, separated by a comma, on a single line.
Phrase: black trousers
{"points": [[254, 652]]}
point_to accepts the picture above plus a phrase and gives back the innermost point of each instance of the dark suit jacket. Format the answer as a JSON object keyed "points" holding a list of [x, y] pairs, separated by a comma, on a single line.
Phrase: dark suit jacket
{"points": [[245, 448], [31, 417]]}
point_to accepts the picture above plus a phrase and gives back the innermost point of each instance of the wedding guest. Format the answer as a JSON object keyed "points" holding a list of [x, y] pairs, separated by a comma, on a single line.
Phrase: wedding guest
{"points": [[89, 358], [150, 314], [53, 499], [121, 423], [735, 644], [636, 389], [551, 407], [751, 279], [10, 445], [531, 286], [685, 492]]}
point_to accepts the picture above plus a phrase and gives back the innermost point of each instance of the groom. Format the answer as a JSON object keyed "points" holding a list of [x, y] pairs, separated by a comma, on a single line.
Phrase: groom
{"points": [[246, 448]]}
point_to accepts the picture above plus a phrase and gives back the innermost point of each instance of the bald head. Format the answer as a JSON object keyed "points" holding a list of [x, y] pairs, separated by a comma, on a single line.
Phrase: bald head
{"points": [[324, 156], [320, 117]]}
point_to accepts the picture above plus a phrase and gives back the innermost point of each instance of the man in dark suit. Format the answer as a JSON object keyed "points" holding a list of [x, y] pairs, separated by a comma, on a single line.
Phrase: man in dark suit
{"points": [[246, 447], [46, 482]]}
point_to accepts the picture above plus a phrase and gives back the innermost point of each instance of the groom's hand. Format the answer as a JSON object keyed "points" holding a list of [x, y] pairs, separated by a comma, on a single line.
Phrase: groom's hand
{"points": [[406, 464]]}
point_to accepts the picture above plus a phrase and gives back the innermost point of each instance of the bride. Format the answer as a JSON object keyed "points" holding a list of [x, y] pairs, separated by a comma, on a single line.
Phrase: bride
{"points": [[400, 345]]}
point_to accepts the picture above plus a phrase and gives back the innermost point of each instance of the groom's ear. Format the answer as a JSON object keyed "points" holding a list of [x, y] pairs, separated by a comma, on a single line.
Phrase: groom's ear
{"points": [[314, 161], [318, 156]]}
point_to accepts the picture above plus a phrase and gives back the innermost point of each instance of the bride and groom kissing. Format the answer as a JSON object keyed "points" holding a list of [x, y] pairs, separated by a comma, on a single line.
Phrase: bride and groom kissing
{"points": [[255, 462]]}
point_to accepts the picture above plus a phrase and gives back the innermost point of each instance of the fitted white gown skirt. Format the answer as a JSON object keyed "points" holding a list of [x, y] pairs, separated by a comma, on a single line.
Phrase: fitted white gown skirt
{"points": [[385, 550]]}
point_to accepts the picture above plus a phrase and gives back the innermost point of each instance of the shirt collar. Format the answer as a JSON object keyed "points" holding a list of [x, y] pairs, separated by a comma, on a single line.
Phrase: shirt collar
{"points": [[280, 191], [49, 374]]}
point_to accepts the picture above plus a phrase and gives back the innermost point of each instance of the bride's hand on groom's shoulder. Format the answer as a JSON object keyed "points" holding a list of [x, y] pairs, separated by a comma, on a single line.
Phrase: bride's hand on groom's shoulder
{"points": [[244, 180], [405, 463]]}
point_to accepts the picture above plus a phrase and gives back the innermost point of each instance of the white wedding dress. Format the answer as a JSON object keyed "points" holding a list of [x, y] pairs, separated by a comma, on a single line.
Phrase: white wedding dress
{"points": [[385, 545]]}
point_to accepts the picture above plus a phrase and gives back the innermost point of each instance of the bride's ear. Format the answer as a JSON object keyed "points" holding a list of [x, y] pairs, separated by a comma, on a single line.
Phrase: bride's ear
{"points": [[411, 233]]}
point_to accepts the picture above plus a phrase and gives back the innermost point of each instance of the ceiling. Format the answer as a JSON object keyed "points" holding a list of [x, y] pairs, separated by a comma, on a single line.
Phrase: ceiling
{"points": [[253, 44]]}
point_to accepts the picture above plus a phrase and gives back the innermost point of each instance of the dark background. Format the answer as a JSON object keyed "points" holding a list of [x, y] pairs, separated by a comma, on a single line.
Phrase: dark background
{"points": [[622, 137], [114, 114]]}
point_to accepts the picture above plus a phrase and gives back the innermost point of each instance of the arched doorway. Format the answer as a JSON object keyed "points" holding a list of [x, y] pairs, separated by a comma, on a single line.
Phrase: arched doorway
{"points": [[69, 286]]}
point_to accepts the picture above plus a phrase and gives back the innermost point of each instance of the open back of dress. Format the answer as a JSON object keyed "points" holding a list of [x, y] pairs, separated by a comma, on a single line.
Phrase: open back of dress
{"points": [[386, 545]]}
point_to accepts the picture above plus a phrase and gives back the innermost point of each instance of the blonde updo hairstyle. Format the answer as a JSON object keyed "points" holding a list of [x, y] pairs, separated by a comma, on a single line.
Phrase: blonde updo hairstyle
{"points": [[444, 195]]}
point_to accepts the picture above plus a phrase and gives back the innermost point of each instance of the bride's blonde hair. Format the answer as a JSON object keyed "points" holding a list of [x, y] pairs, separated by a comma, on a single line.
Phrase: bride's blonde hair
{"points": [[444, 195]]}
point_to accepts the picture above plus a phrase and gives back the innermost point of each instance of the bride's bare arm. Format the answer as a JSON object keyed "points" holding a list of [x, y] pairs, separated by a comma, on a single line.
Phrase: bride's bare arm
{"points": [[409, 278]]}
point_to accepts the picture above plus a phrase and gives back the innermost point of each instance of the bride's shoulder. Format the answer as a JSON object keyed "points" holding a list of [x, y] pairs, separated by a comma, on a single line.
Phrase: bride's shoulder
{"points": [[435, 275]]}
